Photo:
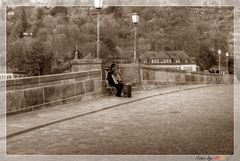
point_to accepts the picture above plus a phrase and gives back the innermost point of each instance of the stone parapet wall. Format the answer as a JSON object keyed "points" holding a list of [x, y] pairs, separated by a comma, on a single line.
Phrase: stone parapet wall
{"points": [[129, 73], [25, 94], [156, 76], [30, 93], [86, 64]]}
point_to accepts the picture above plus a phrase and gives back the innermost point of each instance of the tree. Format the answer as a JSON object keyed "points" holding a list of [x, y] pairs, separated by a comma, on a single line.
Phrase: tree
{"points": [[15, 54], [206, 58], [24, 21], [21, 24], [116, 11], [58, 31], [59, 10], [38, 58], [38, 23]]}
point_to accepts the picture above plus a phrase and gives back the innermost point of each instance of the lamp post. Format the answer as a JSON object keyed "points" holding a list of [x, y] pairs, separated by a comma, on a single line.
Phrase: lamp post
{"points": [[135, 19], [227, 54], [55, 47], [219, 60], [76, 53], [98, 5]]}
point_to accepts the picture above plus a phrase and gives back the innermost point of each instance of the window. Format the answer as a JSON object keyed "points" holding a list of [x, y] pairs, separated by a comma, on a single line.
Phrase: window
{"points": [[166, 61], [188, 68]]}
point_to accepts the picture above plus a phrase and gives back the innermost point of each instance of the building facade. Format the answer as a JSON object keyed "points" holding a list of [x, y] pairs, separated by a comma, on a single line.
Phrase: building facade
{"points": [[169, 59]]}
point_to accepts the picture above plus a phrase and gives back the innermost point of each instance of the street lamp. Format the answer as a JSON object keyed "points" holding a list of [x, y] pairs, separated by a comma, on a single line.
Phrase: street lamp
{"points": [[135, 19], [219, 60], [98, 5], [27, 34], [227, 54], [10, 13]]}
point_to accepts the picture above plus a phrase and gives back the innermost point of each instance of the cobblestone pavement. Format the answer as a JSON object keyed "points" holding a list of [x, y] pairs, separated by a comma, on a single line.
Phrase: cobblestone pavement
{"points": [[197, 121], [35, 119]]}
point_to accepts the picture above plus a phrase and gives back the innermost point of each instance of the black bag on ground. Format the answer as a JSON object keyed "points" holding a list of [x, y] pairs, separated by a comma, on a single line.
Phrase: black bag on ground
{"points": [[127, 91]]}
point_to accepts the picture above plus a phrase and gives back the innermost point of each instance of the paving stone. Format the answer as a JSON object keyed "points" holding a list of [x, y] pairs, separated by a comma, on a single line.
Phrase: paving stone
{"points": [[197, 121]]}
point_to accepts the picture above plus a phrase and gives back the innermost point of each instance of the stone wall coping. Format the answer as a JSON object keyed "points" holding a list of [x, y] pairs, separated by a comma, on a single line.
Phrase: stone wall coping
{"points": [[128, 65], [181, 71], [87, 61], [83, 63], [57, 74], [210, 74], [54, 77], [162, 69]]}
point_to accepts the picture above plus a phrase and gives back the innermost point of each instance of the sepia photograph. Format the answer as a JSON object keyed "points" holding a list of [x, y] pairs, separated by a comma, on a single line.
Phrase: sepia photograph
{"points": [[119, 80]]}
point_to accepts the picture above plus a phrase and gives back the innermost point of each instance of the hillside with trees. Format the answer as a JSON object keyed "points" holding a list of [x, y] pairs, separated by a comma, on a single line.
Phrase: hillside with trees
{"points": [[43, 40]]}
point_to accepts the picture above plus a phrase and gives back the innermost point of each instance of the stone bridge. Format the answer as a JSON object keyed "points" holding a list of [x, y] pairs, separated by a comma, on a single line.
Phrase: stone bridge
{"points": [[86, 82], [170, 112]]}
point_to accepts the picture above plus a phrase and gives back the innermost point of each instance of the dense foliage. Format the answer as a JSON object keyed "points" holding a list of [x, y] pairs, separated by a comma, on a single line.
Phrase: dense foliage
{"points": [[58, 31]]}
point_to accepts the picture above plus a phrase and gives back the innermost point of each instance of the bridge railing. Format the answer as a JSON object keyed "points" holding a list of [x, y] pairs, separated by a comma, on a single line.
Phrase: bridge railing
{"points": [[154, 76], [25, 94], [29, 93]]}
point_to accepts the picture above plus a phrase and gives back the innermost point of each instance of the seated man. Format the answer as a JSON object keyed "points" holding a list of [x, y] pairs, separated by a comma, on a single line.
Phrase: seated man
{"points": [[114, 79]]}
